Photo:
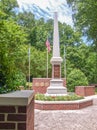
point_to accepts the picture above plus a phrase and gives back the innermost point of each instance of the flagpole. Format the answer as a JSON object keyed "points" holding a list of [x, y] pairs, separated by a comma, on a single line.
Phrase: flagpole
{"points": [[64, 62], [47, 62], [29, 64], [48, 50]]}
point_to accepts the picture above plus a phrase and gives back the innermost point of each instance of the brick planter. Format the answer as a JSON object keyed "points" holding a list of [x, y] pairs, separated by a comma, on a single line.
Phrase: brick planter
{"points": [[63, 105], [85, 90], [17, 110], [40, 85]]}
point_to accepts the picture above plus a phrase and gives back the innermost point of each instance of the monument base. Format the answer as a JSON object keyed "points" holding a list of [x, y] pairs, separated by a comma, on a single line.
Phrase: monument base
{"points": [[56, 88]]}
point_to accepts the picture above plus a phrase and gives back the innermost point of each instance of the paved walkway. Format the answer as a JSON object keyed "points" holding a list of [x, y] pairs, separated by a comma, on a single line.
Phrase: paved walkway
{"points": [[83, 119]]}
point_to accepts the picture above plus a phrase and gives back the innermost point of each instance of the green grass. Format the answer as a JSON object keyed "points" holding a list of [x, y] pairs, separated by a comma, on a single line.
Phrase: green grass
{"points": [[28, 85], [58, 98], [96, 90]]}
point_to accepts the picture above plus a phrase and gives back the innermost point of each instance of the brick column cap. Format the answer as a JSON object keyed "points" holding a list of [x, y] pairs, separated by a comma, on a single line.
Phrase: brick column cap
{"points": [[21, 98]]}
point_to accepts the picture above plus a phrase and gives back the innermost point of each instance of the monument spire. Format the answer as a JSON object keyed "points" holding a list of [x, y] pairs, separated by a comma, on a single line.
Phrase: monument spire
{"points": [[56, 50], [56, 84], [56, 60]]}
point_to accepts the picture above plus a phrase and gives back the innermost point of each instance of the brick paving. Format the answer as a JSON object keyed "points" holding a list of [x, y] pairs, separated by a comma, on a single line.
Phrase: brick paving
{"points": [[83, 119]]}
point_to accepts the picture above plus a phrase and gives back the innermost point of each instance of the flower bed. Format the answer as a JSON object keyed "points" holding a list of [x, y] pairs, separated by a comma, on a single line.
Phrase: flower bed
{"points": [[43, 97], [69, 102]]}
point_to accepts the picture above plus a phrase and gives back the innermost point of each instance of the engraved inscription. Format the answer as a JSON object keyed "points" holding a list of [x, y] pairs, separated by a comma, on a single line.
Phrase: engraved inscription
{"points": [[56, 71]]}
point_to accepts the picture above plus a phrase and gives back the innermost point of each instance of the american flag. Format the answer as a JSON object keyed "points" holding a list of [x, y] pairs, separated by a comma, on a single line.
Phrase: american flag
{"points": [[48, 45]]}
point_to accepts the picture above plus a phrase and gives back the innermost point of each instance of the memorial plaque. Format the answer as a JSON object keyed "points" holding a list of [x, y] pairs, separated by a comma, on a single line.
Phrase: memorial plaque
{"points": [[46, 84], [56, 71], [42, 84], [36, 84]]}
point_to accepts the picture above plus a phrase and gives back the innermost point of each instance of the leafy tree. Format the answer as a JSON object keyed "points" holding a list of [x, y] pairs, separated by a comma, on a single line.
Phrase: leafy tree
{"points": [[89, 67], [81, 57], [8, 7], [76, 78], [27, 21], [85, 19], [68, 36], [37, 29], [11, 37], [39, 63]]}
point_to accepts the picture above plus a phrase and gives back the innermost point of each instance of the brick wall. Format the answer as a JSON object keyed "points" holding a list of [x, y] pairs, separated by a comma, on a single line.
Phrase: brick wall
{"points": [[30, 116], [85, 90], [17, 116], [69, 105], [40, 85]]}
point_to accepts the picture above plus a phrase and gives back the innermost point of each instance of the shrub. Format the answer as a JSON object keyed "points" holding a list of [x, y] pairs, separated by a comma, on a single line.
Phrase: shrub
{"points": [[18, 79], [57, 98], [13, 82], [76, 78]]}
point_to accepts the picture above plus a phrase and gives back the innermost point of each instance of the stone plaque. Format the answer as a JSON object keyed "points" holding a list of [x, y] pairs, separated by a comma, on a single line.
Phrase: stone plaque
{"points": [[36, 84], [56, 71], [42, 84], [46, 84]]}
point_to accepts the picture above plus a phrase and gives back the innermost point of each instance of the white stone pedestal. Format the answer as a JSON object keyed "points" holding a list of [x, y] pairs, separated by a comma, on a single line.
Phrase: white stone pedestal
{"points": [[56, 88]]}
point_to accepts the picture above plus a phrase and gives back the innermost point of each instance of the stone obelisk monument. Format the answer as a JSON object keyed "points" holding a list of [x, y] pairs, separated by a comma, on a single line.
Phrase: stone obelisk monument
{"points": [[56, 84]]}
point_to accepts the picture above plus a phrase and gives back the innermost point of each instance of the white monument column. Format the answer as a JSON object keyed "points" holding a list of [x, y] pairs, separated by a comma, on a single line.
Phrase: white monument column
{"points": [[56, 84]]}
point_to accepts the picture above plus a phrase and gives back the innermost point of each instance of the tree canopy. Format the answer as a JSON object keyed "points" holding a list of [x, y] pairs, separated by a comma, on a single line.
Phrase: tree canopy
{"points": [[85, 19]]}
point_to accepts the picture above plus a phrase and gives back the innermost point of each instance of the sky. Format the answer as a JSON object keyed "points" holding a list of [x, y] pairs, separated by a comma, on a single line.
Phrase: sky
{"points": [[64, 12]]}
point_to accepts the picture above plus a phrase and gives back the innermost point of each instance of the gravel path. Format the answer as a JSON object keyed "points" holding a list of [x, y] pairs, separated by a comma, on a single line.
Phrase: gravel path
{"points": [[83, 119]]}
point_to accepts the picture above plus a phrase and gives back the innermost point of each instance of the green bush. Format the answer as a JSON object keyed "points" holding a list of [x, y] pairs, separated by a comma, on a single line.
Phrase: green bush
{"points": [[18, 79], [76, 78], [13, 82]]}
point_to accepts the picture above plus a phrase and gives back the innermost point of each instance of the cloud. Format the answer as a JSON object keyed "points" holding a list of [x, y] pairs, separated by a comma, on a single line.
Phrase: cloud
{"points": [[50, 6], [41, 3]]}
